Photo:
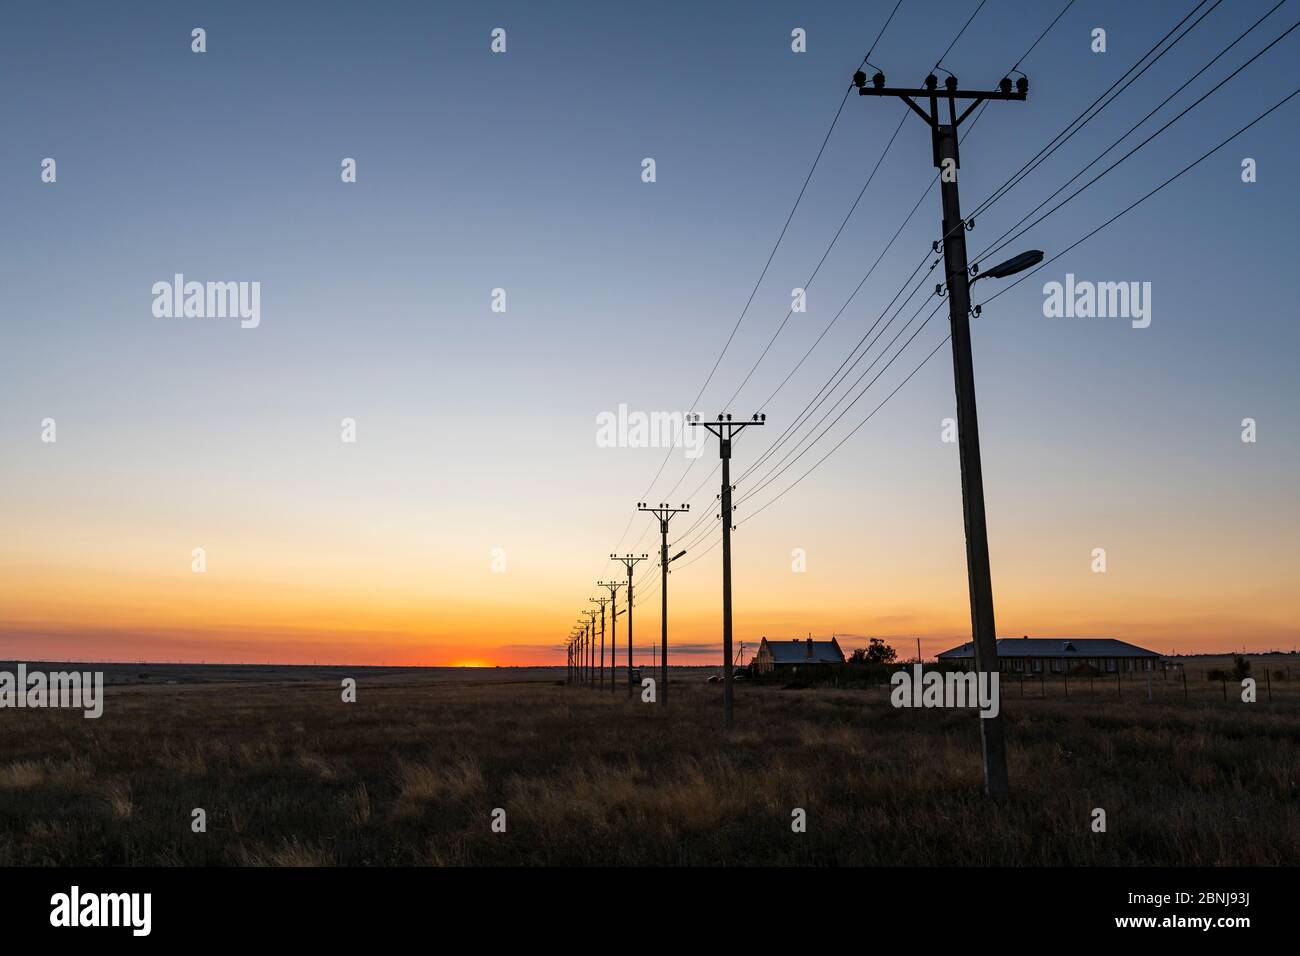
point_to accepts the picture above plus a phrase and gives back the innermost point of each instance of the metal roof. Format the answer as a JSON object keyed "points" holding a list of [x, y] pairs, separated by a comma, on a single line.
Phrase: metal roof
{"points": [[1057, 647], [796, 652]]}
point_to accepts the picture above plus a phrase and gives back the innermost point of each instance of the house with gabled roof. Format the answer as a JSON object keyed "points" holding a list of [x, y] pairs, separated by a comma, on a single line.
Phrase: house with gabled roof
{"points": [[792, 654]]}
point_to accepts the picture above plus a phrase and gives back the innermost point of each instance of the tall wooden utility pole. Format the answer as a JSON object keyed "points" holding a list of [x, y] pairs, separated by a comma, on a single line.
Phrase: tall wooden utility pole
{"points": [[591, 647], [630, 562], [602, 602], [725, 429], [614, 612], [664, 513], [947, 159], [582, 648]]}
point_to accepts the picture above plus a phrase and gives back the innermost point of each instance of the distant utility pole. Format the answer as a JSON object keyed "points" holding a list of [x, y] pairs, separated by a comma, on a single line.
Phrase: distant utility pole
{"points": [[591, 644], [665, 514], [586, 651], [602, 602], [947, 159], [725, 429], [582, 651], [629, 561], [613, 631]]}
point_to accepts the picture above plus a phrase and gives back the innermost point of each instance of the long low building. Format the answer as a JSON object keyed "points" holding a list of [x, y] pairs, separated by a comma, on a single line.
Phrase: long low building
{"points": [[1059, 655]]}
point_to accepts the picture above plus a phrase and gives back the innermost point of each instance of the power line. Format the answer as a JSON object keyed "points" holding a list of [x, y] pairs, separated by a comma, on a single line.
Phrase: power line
{"points": [[920, 199], [771, 475], [808, 283], [1062, 137], [819, 398], [1013, 284], [959, 33], [778, 470], [780, 236], [837, 377], [799, 419], [835, 238], [1011, 235], [850, 433], [1144, 198]]}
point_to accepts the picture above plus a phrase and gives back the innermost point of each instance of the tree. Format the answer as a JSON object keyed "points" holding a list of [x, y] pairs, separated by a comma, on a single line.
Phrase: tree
{"points": [[880, 653], [877, 652]]}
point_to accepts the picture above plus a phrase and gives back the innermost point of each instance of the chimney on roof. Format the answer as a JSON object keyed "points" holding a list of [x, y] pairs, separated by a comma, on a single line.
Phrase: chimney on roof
{"points": [[810, 653]]}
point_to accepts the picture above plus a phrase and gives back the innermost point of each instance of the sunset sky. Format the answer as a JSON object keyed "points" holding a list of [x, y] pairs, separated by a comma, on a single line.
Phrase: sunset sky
{"points": [[472, 516]]}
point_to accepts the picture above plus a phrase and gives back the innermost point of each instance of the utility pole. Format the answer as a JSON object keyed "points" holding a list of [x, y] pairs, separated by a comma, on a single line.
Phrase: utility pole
{"points": [[629, 561], [665, 514], [582, 651], [591, 647], [602, 601], [614, 612], [725, 429], [947, 159], [586, 651]]}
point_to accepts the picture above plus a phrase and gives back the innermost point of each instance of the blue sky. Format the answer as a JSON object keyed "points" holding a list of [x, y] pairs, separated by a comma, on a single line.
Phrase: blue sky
{"points": [[522, 171]]}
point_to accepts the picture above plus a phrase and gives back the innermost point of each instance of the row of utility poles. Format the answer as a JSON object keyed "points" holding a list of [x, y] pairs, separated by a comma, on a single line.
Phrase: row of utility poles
{"points": [[583, 641], [959, 276]]}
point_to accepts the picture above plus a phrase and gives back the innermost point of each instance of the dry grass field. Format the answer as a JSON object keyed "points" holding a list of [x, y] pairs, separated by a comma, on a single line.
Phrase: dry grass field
{"points": [[410, 774]]}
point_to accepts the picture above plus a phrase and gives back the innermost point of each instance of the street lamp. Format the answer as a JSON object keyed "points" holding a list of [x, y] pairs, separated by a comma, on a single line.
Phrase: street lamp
{"points": [[1026, 260]]}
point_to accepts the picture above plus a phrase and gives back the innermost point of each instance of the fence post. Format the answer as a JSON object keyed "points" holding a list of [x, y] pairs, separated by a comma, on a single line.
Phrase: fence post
{"points": [[1268, 681], [1184, 685]]}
